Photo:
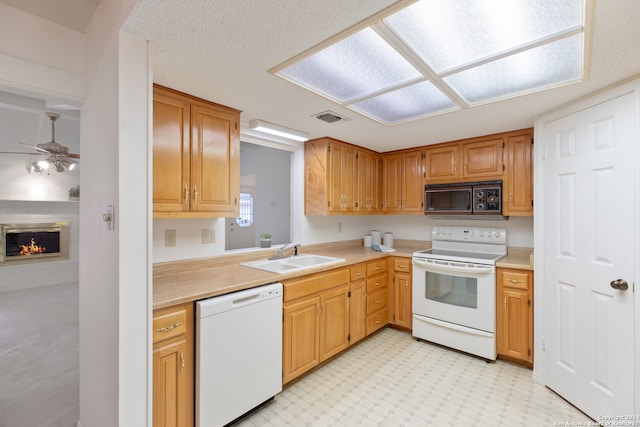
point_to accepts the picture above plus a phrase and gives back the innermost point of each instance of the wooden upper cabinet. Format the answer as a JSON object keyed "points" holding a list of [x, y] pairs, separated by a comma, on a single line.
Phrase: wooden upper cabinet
{"points": [[368, 181], [482, 159], [171, 152], [340, 178], [442, 162], [517, 186], [469, 160], [403, 182], [196, 157]]}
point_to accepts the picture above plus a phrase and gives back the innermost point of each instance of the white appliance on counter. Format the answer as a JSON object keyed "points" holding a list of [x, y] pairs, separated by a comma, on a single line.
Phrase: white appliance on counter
{"points": [[238, 353], [454, 288]]}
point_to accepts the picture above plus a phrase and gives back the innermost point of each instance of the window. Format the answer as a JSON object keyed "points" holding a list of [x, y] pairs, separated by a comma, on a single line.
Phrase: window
{"points": [[246, 210]]}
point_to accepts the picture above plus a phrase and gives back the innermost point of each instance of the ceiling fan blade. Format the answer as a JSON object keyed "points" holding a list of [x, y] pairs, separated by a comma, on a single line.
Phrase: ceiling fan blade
{"points": [[42, 150], [19, 152]]}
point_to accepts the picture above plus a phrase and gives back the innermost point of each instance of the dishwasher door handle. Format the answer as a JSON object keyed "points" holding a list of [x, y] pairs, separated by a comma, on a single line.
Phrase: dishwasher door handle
{"points": [[245, 300]]}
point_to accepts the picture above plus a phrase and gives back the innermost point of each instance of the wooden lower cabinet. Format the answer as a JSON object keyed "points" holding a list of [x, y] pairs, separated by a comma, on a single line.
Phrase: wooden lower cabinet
{"points": [[377, 295], [402, 305], [173, 370], [514, 319], [357, 310], [316, 320]]}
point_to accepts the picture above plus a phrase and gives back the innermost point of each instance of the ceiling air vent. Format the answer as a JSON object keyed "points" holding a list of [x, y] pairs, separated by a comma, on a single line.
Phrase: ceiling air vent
{"points": [[330, 117]]}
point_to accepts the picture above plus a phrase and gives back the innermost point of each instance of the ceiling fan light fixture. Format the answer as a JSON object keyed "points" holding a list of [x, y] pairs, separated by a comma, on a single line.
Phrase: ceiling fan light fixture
{"points": [[36, 167], [43, 164]]}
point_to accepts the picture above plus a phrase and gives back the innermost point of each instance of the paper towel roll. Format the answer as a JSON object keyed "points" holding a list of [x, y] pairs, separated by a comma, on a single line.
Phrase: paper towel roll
{"points": [[367, 240], [376, 237], [387, 239]]}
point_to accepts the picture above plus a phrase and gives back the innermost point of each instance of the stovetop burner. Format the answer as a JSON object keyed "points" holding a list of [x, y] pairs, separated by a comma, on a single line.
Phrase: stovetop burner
{"points": [[466, 244]]}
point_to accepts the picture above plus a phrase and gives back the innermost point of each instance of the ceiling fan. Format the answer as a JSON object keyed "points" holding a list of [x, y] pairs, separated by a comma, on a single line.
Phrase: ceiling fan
{"points": [[58, 156]]}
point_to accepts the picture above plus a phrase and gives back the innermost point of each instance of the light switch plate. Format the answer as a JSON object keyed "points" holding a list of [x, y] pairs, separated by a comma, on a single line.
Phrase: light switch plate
{"points": [[169, 237]]}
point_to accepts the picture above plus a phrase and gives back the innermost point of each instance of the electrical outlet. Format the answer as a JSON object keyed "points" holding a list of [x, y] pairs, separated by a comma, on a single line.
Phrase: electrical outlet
{"points": [[339, 227], [169, 237], [208, 236]]}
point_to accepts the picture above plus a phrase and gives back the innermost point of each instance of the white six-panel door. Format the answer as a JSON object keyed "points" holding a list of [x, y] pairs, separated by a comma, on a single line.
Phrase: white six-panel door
{"points": [[588, 243]]}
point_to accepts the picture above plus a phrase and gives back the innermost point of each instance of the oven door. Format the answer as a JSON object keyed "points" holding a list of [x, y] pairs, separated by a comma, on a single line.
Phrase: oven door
{"points": [[456, 292]]}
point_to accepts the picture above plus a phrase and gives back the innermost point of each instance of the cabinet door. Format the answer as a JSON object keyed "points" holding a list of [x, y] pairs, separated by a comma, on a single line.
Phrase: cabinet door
{"points": [[171, 152], [357, 312], [343, 178], [514, 340], [171, 393], [391, 183], [334, 322], [402, 300], [412, 181], [442, 163], [368, 182], [518, 180], [215, 167], [301, 346], [482, 159]]}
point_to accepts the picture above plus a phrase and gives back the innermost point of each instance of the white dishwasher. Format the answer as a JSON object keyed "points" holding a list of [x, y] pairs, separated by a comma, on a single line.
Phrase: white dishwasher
{"points": [[238, 353]]}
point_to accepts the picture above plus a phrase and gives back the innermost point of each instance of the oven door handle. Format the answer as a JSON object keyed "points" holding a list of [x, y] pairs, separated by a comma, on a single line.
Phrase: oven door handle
{"points": [[447, 268]]}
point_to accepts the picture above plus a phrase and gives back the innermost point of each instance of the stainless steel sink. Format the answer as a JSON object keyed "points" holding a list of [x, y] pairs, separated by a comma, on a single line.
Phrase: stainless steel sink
{"points": [[294, 263]]}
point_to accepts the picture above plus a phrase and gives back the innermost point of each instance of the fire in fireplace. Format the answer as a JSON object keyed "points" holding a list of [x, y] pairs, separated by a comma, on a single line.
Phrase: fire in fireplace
{"points": [[33, 242]]}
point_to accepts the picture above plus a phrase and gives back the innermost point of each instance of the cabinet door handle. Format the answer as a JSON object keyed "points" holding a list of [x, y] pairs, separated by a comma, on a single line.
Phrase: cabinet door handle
{"points": [[168, 328], [182, 362], [195, 194], [505, 303], [406, 285], [186, 193], [318, 307]]}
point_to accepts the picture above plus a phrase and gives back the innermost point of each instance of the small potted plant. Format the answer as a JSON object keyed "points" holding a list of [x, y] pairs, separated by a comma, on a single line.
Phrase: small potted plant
{"points": [[74, 193], [265, 240]]}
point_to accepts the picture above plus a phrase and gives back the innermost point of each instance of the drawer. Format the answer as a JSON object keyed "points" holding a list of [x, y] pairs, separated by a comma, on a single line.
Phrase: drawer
{"points": [[376, 267], [314, 283], [515, 279], [358, 272], [377, 282], [169, 323], [376, 300], [402, 264], [376, 321]]}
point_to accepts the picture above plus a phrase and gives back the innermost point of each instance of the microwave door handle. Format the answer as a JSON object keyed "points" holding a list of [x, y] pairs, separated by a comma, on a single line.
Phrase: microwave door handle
{"points": [[444, 269]]}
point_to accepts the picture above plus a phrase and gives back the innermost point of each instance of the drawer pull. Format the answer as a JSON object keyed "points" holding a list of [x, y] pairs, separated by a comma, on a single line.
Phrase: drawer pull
{"points": [[515, 281], [378, 301], [377, 267], [168, 328], [402, 266], [378, 321]]}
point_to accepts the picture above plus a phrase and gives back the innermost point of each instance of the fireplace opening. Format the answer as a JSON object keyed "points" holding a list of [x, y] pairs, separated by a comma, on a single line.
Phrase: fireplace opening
{"points": [[32, 242]]}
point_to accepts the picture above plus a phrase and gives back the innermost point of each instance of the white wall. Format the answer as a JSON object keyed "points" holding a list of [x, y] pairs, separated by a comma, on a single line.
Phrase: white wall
{"points": [[39, 302]]}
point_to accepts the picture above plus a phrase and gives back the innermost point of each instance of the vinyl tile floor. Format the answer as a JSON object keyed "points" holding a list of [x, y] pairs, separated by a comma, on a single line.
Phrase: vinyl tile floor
{"points": [[391, 379]]}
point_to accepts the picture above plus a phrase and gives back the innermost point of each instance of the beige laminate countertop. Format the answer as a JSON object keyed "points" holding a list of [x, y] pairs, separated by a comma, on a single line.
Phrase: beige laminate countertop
{"points": [[185, 281], [520, 258]]}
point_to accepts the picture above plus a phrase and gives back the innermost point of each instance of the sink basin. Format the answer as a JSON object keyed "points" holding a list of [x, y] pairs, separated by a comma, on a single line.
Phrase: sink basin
{"points": [[294, 263]]}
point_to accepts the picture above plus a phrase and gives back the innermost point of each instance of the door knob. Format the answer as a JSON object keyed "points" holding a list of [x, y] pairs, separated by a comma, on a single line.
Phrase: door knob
{"points": [[620, 284]]}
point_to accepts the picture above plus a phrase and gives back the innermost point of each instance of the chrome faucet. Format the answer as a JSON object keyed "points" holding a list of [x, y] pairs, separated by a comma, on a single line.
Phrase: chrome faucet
{"points": [[283, 248]]}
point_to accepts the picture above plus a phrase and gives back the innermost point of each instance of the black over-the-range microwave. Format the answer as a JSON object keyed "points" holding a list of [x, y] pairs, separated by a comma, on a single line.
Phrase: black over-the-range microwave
{"points": [[471, 198]]}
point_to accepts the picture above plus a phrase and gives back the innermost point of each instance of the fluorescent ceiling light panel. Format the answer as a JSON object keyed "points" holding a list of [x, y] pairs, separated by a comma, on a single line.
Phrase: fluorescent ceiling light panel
{"points": [[282, 131], [436, 56], [352, 68]]}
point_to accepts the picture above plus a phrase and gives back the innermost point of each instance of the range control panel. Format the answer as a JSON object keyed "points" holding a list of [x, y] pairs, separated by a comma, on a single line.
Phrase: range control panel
{"points": [[470, 234]]}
